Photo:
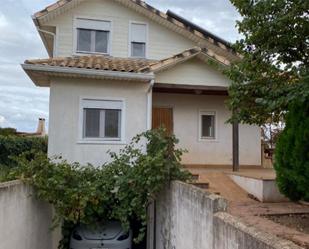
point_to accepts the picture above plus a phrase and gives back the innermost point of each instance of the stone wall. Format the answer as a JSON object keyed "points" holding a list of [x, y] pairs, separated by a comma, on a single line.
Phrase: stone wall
{"points": [[24, 221], [189, 217]]}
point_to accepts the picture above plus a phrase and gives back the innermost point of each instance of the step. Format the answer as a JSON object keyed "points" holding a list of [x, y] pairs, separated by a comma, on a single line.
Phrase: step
{"points": [[202, 185]]}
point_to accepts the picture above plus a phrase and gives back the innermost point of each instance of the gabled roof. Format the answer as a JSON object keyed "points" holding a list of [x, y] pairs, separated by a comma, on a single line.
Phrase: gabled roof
{"points": [[107, 67], [203, 54], [168, 19]]}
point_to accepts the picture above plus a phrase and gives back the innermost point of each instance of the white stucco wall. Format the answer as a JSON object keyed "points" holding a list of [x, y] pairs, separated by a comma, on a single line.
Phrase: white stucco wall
{"points": [[193, 72], [186, 127], [25, 222], [64, 129], [162, 42]]}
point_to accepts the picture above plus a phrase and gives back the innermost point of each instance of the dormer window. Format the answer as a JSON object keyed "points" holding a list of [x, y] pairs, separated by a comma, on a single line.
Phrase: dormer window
{"points": [[93, 36], [138, 40]]}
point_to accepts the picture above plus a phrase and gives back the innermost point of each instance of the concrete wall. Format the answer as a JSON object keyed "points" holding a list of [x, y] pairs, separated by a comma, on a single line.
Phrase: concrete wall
{"points": [[186, 127], [161, 41], [24, 221], [231, 233], [184, 217], [188, 217], [65, 125]]}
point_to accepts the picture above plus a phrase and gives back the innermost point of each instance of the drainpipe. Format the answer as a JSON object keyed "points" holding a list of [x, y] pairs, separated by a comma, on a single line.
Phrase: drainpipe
{"points": [[149, 105]]}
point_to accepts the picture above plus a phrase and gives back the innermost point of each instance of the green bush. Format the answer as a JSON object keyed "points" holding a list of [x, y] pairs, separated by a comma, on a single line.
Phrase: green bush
{"points": [[120, 190], [12, 146], [292, 154], [7, 131]]}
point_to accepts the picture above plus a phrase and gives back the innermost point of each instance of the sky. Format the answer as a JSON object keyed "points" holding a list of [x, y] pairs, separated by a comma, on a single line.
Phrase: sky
{"points": [[22, 103]]}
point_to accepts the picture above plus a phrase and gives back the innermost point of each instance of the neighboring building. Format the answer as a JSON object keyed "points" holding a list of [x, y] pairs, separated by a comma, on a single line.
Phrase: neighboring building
{"points": [[40, 131], [120, 67]]}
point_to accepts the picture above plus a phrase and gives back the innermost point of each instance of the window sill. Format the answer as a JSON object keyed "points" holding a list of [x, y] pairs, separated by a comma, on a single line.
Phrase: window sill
{"points": [[208, 140], [106, 142], [90, 53]]}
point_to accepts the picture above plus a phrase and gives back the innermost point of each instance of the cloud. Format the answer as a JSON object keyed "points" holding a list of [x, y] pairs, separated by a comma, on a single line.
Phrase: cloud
{"points": [[2, 121], [3, 21], [21, 103]]}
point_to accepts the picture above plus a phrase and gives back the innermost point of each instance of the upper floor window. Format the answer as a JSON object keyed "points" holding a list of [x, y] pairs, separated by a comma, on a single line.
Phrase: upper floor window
{"points": [[138, 40], [93, 36]]}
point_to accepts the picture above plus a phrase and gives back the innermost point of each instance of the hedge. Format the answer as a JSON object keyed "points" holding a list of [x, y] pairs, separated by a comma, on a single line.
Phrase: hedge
{"points": [[11, 146], [292, 154]]}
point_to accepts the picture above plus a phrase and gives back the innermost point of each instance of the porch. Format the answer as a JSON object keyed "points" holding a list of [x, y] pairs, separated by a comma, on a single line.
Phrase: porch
{"points": [[197, 115]]}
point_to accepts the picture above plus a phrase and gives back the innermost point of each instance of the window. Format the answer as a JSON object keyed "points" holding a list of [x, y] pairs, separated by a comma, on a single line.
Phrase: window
{"points": [[102, 119], [138, 38], [207, 125], [93, 36]]}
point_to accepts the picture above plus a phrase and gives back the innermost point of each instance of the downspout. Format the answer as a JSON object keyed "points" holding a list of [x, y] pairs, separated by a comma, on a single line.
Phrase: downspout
{"points": [[149, 105]]}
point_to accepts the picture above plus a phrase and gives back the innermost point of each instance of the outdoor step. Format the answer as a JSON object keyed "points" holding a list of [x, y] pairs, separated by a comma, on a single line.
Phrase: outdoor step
{"points": [[195, 177], [203, 185]]}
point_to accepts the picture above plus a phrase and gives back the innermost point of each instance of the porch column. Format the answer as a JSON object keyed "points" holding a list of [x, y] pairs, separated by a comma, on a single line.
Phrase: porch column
{"points": [[235, 146]]}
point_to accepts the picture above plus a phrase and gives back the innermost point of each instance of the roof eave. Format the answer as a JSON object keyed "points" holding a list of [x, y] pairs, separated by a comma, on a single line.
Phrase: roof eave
{"points": [[43, 38], [41, 74]]}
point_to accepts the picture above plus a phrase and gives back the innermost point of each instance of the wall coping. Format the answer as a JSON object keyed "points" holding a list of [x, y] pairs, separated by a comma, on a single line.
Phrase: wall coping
{"points": [[266, 238], [219, 203], [10, 184]]}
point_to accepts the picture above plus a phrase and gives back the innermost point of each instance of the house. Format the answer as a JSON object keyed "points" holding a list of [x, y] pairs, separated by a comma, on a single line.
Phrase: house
{"points": [[120, 67]]}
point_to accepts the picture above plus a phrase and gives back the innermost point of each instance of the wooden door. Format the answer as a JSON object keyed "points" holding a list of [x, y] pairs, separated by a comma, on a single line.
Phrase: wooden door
{"points": [[162, 117]]}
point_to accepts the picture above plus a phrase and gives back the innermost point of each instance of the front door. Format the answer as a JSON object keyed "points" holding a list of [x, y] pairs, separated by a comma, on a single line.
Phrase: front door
{"points": [[163, 117]]}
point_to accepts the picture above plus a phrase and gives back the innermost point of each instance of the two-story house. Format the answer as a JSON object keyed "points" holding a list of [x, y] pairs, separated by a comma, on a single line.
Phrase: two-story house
{"points": [[120, 67]]}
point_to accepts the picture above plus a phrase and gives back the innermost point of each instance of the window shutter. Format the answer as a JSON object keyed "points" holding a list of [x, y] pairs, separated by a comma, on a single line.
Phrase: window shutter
{"points": [[138, 32], [93, 24]]}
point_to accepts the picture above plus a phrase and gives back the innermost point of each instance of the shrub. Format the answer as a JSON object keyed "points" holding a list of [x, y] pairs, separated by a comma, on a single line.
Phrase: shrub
{"points": [[292, 153], [120, 190], [7, 131], [11, 146]]}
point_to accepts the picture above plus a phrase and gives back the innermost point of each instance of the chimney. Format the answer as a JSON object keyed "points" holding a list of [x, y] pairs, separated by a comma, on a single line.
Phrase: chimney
{"points": [[41, 127]]}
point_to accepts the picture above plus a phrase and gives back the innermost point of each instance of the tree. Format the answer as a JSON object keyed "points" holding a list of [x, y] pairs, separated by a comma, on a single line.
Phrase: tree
{"points": [[273, 71], [292, 154], [270, 84]]}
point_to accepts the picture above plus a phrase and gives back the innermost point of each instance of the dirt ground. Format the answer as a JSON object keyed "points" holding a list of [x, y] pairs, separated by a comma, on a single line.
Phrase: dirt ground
{"points": [[253, 212], [300, 222]]}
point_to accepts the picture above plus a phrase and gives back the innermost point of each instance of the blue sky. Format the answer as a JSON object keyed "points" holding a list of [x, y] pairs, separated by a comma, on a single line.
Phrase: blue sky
{"points": [[21, 103]]}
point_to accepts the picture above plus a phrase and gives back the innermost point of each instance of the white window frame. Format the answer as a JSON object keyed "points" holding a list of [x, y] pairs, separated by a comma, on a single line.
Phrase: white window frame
{"points": [[130, 39], [85, 140], [207, 139], [75, 34]]}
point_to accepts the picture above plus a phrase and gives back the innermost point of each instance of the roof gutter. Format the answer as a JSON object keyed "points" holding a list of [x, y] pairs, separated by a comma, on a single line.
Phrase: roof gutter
{"points": [[88, 73]]}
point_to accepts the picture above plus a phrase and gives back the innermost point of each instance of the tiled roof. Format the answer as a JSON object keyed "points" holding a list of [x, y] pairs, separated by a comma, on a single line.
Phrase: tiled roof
{"points": [[95, 62], [169, 16], [51, 7], [131, 65], [185, 55]]}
